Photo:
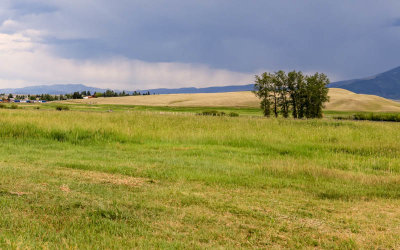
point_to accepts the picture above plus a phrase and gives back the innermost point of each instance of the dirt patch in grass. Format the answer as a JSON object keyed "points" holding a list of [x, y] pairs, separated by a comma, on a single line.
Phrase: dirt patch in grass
{"points": [[65, 188], [13, 193], [105, 178]]}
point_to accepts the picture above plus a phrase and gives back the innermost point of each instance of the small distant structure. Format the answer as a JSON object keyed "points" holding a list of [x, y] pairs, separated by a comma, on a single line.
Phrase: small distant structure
{"points": [[21, 101]]}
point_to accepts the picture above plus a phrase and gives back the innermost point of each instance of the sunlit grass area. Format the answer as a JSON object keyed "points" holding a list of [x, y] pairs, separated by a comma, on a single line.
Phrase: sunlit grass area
{"points": [[145, 178]]}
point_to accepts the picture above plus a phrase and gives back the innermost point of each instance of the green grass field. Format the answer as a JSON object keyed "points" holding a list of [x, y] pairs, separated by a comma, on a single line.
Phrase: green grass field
{"points": [[101, 108], [142, 177]]}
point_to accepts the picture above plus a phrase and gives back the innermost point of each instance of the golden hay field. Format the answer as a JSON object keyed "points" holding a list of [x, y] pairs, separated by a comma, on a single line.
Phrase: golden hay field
{"points": [[340, 100]]}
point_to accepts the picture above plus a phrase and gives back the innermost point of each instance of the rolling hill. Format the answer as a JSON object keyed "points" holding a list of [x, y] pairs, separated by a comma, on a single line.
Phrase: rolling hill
{"points": [[386, 84], [340, 100]]}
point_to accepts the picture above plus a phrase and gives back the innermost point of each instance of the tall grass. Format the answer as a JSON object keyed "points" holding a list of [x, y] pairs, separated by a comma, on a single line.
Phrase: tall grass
{"points": [[11, 106], [386, 117], [149, 180], [389, 117]]}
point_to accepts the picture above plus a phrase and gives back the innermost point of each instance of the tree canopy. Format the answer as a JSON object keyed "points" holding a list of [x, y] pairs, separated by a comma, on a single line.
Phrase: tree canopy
{"points": [[302, 95]]}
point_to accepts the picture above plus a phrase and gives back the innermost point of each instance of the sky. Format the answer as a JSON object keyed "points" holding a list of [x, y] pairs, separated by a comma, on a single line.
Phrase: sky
{"points": [[140, 44]]}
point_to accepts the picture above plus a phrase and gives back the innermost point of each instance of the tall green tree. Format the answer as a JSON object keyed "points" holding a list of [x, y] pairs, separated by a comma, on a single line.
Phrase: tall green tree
{"points": [[281, 93], [281, 85], [274, 90], [77, 95], [317, 94], [296, 90], [263, 90]]}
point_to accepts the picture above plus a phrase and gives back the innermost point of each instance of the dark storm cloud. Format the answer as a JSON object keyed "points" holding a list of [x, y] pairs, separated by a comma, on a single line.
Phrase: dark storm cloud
{"points": [[344, 38], [25, 7], [396, 22]]}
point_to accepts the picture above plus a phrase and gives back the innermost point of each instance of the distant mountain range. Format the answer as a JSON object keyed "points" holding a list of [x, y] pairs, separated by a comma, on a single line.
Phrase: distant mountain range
{"points": [[232, 88], [386, 84], [61, 89], [58, 89]]}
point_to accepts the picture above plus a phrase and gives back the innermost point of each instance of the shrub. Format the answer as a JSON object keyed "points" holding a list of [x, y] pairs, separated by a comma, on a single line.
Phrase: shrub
{"points": [[61, 107], [233, 114], [339, 117], [37, 107], [12, 106], [212, 113]]}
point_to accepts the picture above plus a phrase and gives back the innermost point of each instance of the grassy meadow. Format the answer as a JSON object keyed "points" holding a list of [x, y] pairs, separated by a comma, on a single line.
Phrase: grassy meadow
{"points": [[144, 178]]}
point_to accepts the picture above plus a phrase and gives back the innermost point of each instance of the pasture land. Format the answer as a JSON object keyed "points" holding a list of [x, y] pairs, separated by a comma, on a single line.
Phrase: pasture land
{"points": [[139, 179], [340, 100]]}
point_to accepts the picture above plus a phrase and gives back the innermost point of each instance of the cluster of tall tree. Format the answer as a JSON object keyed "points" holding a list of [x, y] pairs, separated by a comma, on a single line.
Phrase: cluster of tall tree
{"points": [[295, 93]]}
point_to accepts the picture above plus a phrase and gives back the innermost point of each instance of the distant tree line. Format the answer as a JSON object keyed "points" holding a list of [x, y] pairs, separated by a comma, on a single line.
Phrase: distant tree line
{"points": [[107, 93], [295, 93], [45, 97], [74, 95]]}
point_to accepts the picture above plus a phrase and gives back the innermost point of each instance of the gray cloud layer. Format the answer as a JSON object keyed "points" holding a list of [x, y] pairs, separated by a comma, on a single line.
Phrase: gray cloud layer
{"points": [[344, 38]]}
